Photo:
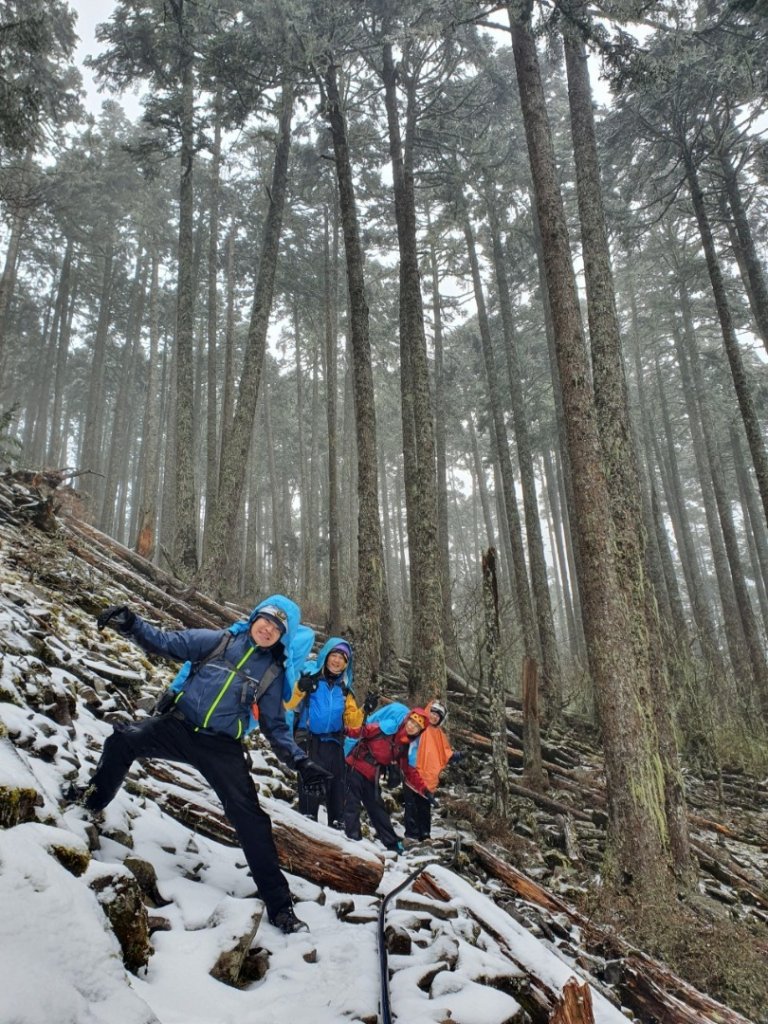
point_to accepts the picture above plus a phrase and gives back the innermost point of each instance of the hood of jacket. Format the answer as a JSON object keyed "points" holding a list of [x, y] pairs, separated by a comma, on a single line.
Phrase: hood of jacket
{"points": [[402, 735], [317, 664], [288, 639]]}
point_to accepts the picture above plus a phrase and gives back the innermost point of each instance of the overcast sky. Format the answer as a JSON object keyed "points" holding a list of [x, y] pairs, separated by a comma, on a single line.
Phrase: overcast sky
{"points": [[89, 14]]}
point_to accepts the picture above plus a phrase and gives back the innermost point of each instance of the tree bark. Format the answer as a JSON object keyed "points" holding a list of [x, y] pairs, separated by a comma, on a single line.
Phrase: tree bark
{"points": [[497, 709], [234, 456], [370, 572], [331, 290], [90, 455], [428, 652], [614, 425], [449, 628], [741, 382], [150, 463], [514, 529], [756, 285], [552, 688], [183, 478], [212, 325], [638, 851]]}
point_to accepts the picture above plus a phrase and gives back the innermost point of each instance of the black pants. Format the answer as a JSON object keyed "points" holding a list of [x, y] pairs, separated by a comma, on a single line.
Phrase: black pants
{"points": [[417, 814], [359, 790], [330, 754], [222, 761]]}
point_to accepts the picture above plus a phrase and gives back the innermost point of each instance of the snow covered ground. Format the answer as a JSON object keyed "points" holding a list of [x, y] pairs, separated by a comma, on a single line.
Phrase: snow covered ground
{"points": [[60, 960]]}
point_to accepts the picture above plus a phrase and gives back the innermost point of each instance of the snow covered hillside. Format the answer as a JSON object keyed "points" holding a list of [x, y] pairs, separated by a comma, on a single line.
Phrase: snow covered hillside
{"points": [[151, 914]]}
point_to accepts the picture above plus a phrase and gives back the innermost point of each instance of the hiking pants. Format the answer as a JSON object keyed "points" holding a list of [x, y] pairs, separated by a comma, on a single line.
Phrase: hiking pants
{"points": [[330, 754], [359, 790], [223, 763], [417, 814]]}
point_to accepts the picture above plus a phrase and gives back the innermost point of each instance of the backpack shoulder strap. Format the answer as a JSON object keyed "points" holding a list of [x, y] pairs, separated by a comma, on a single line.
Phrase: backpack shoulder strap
{"points": [[215, 651], [272, 672]]}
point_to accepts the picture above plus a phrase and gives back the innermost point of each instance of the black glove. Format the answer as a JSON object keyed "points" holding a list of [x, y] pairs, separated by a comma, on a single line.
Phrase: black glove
{"points": [[313, 776], [430, 797], [393, 775], [307, 684], [118, 616], [164, 702], [456, 756], [370, 702]]}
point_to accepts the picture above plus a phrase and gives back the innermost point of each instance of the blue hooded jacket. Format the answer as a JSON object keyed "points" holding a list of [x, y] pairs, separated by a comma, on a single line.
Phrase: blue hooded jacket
{"points": [[217, 696], [321, 711]]}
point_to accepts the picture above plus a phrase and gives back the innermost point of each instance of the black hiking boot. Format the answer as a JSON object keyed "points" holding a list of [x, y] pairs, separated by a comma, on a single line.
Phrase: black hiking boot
{"points": [[77, 796], [287, 921]]}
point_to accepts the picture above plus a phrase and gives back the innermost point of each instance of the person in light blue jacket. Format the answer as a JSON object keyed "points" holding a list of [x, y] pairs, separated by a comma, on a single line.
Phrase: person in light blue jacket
{"points": [[323, 705], [230, 678]]}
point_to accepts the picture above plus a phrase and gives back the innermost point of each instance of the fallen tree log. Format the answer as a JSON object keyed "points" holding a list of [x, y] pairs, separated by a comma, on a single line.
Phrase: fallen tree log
{"points": [[326, 862], [647, 986]]}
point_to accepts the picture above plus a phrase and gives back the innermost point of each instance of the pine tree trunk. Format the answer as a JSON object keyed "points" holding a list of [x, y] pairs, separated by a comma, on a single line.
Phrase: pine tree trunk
{"points": [[234, 456], [315, 494], [614, 425], [480, 484], [55, 442], [565, 476], [637, 830], [331, 290], [8, 279], [370, 579], [212, 326], [120, 432], [551, 690], [449, 628], [497, 710], [184, 450], [759, 668], [228, 390], [756, 285], [428, 652], [741, 382], [751, 527], [734, 632], [150, 461], [706, 627], [753, 520], [91, 454], [560, 547], [499, 435]]}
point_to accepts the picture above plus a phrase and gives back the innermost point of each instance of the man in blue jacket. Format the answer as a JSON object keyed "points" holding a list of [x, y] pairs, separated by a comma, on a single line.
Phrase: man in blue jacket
{"points": [[230, 674]]}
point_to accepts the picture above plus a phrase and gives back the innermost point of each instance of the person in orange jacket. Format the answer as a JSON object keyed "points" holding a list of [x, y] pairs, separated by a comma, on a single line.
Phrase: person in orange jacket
{"points": [[429, 755]]}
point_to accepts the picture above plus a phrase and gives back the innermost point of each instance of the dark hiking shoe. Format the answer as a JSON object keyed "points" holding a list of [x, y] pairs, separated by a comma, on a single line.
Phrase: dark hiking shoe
{"points": [[287, 922], [77, 796]]}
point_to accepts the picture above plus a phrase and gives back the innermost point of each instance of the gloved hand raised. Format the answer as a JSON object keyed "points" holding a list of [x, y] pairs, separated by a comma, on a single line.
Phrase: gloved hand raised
{"points": [[313, 776], [370, 702], [118, 616], [307, 684]]}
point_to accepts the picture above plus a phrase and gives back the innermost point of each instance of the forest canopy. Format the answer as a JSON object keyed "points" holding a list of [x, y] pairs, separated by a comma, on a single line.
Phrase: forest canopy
{"points": [[448, 319]]}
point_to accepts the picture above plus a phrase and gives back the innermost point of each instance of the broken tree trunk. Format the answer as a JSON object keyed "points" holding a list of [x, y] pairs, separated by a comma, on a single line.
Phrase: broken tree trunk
{"points": [[533, 773], [575, 1004]]}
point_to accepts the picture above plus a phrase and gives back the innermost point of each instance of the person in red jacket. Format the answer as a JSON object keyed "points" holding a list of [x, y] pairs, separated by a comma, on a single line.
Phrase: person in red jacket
{"points": [[375, 750]]}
